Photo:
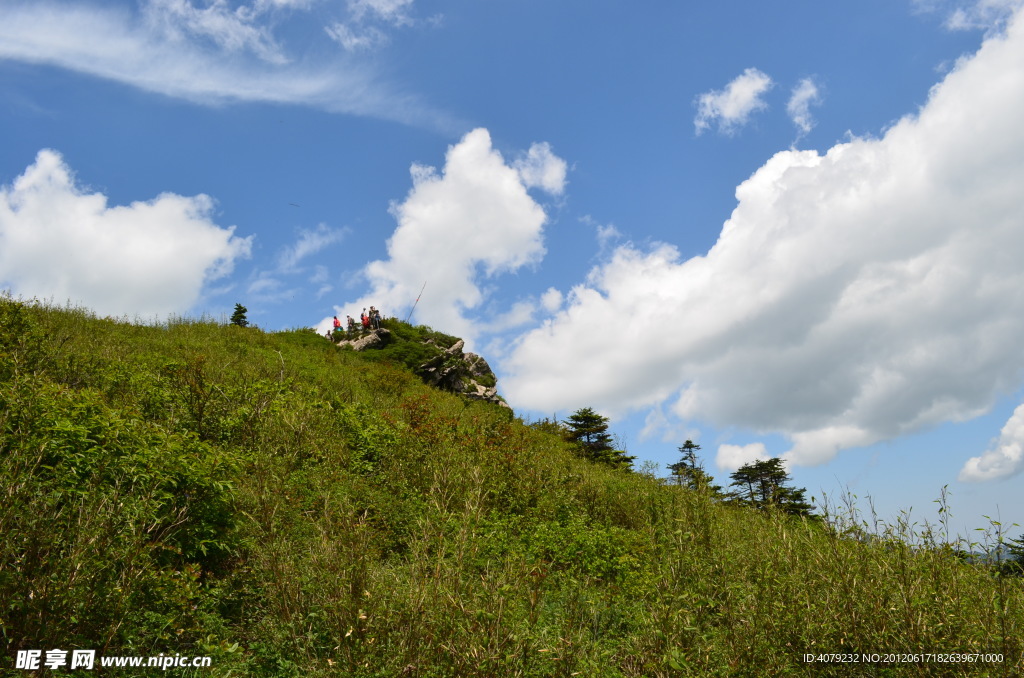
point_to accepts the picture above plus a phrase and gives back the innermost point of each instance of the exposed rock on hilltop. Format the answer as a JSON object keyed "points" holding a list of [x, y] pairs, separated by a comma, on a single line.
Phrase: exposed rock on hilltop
{"points": [[437, 358], [375, 339], [465, 373]]}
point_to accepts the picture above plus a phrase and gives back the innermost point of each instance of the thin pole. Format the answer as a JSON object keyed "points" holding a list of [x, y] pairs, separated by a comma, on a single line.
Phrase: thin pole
{"points": [[416, 302]]}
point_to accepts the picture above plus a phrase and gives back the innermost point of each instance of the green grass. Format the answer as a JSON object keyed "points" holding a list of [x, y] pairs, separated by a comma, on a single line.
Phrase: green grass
{"points": [[293, 509]]}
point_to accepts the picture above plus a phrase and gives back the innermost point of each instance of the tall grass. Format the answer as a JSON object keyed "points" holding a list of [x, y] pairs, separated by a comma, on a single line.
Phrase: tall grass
{"points": [[290, 508]]}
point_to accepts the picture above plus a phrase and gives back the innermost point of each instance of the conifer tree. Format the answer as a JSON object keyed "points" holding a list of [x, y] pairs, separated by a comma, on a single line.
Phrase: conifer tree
{"points": [[589, 430], [763, 483], [238, 317], [1015, 562], [689, 471]]}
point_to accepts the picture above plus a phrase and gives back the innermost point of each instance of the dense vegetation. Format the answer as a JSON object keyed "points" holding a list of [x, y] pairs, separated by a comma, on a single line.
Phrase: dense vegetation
{"points": [[405, 344], [294, 509]]}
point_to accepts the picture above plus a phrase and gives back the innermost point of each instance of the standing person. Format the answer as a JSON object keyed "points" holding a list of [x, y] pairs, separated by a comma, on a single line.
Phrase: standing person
{"points": [[337, 324], [351, 324], [375, 318]]}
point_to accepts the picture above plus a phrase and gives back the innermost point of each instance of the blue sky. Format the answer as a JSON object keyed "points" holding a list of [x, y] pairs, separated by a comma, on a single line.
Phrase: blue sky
{"points": [[786, 229]]}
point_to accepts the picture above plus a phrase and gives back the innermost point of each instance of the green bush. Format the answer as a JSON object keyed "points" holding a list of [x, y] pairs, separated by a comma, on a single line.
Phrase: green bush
{"points": [[105, 515]]}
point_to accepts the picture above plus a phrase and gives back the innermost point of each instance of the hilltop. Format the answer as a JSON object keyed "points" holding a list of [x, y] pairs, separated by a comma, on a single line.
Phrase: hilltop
{"points": [[435, 357], [291, 507]]}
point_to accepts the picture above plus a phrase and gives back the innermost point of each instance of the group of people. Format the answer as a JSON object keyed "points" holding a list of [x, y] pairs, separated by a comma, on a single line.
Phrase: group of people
{"points": [[367, 320]]}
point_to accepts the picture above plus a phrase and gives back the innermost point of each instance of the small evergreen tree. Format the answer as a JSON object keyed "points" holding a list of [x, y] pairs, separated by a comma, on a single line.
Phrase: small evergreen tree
{"points": [[1014, 563], [763, 483], [589, 430], [238, 317], [689, 471]]}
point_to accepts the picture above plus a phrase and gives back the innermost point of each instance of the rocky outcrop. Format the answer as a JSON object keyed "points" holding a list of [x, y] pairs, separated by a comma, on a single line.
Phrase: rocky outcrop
{"points": [[465, 373], [375, 339]]}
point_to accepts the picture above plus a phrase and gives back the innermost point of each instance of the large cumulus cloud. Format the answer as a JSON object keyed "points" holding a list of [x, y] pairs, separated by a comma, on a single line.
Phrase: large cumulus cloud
{"points": [[149, 258], [458, 227], [851, 297]]}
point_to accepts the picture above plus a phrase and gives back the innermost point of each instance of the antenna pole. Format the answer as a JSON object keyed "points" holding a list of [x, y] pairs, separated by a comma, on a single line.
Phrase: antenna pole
{"points": [[416, 302]]}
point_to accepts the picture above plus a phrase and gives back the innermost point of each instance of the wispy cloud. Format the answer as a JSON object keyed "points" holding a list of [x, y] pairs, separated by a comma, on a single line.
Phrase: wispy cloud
{"points": [[394, 12], [369, 23], [209, 54], [230, 30], [356, 38], [804, 95], [270, 286], [310, 242], [990, 16], [730, 108]]}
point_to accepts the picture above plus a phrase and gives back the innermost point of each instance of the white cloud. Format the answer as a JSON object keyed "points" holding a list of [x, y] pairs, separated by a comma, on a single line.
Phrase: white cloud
{"points": [[521, 313], [309, 243], [232, 30], [851, 297], [540, 168], [391, 11], [667, 429], [263, 5], [356, 39], [964, 15], [805, 94], [731, 457], [369, 22], [1005, 458], [264, 285], [268, 287], [321, 274], [474, 219], [732, 107], [211, 54], [551, 300], [147, 258], [606, 234]]}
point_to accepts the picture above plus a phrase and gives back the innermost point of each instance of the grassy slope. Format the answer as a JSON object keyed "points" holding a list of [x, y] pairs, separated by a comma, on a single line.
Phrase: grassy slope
{"points": [[294, 509]]}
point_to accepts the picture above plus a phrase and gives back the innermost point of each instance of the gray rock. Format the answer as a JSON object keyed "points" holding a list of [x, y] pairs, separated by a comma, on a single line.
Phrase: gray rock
{"points": [[462, 373], [371, 340], [467, 374]]}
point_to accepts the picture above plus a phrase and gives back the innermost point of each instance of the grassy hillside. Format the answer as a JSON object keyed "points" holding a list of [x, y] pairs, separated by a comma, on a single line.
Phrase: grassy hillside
{"points": [[293, 509]]}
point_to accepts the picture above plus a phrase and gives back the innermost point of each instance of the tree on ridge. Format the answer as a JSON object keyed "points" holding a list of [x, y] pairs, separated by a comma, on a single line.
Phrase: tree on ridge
{"points": [[689, 471], [764, 483], [589, 430], [238, 317]]}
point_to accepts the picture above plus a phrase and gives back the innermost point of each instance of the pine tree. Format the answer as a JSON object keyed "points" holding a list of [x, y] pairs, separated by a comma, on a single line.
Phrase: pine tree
{"points": [[238, 317], [689, 471], [1015, 561], [765, 484], [589, 430]]}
